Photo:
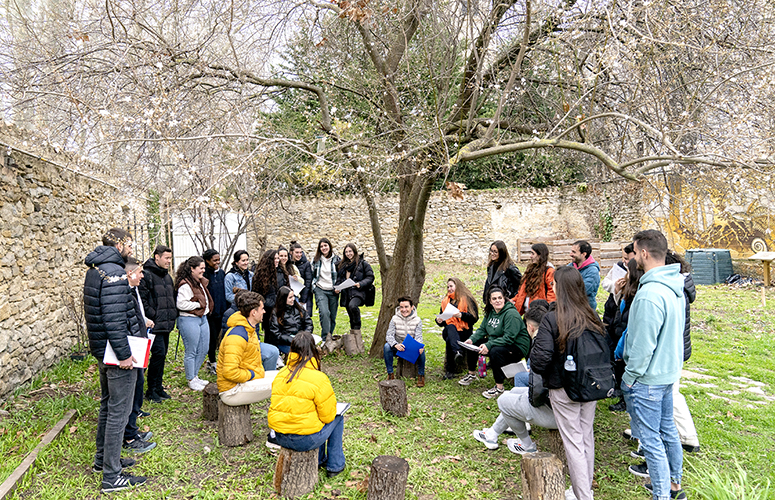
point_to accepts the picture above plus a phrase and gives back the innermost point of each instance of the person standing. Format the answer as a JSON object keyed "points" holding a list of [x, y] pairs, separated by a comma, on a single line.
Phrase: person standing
{"points": [[537, 281], [324, 276], [238, 277], [572, 318], [305, 270], [354, 267], [653, 354], [194, 302], [501, 272], [582, 260], [216, 278], [267, 280], [110, 317], [157, 292]]}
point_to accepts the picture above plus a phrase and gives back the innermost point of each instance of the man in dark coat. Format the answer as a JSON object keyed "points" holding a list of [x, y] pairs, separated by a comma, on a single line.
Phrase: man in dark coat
{"points": [[110, 318], [158, 293]]}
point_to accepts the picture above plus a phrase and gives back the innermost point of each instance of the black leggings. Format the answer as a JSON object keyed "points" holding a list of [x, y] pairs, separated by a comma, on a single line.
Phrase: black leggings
{"points": [[451, 335], [215, 321], [501, 356], [353, 310]]}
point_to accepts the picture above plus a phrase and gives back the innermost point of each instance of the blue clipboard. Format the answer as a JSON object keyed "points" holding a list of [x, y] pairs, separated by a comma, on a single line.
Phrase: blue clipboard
{"points": [[411, 349]]}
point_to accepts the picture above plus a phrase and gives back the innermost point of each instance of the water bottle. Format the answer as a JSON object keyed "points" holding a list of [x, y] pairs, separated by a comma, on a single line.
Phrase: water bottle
{"points": [[570, 365]]}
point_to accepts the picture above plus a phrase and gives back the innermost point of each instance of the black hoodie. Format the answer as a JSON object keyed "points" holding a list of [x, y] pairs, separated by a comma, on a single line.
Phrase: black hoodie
{"points": [[158, 293]]}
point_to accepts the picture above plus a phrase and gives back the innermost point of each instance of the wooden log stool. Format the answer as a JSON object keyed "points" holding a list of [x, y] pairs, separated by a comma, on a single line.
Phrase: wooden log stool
{"points": [[210, 401], [350, 344], [234, 427], [388, 478], [542, 477], [405, 369], [557, 448], [296, 472], [392, 396]]}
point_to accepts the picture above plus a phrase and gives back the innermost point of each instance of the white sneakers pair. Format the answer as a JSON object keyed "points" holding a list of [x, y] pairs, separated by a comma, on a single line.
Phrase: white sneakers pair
{"points": [[197, 384]]}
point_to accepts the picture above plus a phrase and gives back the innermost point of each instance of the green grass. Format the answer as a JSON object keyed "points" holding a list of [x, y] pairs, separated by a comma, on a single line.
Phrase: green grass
{"points": [[732, 337]]}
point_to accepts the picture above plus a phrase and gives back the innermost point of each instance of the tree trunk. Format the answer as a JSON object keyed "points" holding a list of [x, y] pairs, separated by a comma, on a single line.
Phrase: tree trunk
{"points": [[392, 397], [388, 478], [405, 369], [542, 477], [557, 448], [210, 401], [296, 472], [234, 427]]}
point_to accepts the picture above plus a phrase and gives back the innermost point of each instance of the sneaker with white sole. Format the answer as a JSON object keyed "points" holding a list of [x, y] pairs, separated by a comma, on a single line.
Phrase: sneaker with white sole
{"points": [[638, 453], [482, 438], [271, 441], [121, 482], [640, 470], [677, 494], [467, 379], [492, 393], [194, 385], [516, 446], [569, 495], [138, 446]]}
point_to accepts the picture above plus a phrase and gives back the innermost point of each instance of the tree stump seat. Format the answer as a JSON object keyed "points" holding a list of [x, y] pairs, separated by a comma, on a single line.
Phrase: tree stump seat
{"points": [[388, 478], [210, 401], [296, 472], [392, 397], [542, 477], [405, 369], [234, 426]]}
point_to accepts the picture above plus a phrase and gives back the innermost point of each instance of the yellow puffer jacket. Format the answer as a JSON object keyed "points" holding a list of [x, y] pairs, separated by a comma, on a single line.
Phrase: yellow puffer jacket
{"points": [[306, 404], [239, 357]]}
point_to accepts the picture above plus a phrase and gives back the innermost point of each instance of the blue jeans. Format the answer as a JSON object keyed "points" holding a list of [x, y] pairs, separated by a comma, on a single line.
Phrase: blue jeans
{"points": [[651, 411], [117, 387], [329, 438], [285, 349], [390, 352], [328, 304], [132, 430], [269, 355], [195, 333]]}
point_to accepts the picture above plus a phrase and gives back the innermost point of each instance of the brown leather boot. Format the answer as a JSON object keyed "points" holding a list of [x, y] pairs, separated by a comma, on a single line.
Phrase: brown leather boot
{"points": [[420, 380], [391, 376]]}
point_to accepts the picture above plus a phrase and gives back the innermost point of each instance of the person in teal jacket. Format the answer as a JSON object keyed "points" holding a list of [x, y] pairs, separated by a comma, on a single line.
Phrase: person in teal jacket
{"points": [[653, 353], [502, 336]]}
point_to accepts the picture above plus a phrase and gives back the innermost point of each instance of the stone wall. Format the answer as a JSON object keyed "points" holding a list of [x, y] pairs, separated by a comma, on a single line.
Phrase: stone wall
{"points": [[456, 230], [50, 218]]}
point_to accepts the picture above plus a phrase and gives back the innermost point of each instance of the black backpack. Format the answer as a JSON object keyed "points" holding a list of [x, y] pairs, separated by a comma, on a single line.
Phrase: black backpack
{"points": [[594, 376]]}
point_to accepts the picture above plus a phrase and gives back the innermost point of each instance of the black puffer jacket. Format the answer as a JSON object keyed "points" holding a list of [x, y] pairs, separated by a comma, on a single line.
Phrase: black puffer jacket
{"points": [[363, 274], [690, 293], [158, 293], [545, 358], [509, 280], [305, 269], [108, 305], [293, 323]]}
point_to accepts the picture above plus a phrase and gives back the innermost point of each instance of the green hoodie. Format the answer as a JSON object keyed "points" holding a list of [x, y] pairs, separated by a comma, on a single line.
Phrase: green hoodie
{"points": [[653, 347], [505, 328]]}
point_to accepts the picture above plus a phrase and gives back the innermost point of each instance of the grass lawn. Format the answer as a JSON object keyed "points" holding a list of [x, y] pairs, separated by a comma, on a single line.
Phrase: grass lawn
{"points": [[730, 393]]}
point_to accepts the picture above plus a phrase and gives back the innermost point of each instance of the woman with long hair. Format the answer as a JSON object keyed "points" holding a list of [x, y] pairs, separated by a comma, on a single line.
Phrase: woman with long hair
{"points": [[324, 274], [537, 280], [501, 271], [502, 336], [618, 327], [194, 302], [288, 319], [353, 266], [303, 408], [572, 316], [267, 281], [239, 276], [290, 268], [458, 328]]}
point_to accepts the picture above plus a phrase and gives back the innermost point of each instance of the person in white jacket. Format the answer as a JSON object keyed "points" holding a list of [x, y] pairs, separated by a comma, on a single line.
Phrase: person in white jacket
{"points": [[405, 323]]}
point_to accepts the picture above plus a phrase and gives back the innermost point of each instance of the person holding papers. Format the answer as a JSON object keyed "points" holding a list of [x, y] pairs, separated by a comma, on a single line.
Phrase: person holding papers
{"points": [[134, 440], [458, 327], [288, 319], [502, 336], [354, 268], [303, 411], [405, 323]]}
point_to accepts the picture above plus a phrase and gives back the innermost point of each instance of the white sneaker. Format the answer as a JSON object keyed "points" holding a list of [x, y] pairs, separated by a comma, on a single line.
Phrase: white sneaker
{"points": [[202, 383], [516, 446], [194, 385], [569, 495], [482, 438], [280, 363]]}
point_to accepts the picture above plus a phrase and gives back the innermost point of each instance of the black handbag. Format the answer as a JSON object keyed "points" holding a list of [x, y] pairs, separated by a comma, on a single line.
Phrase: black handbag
{"points": [[536, 392], [371, 295]]}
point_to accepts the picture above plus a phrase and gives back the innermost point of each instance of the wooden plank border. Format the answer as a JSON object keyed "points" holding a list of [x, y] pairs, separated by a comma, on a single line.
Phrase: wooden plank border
{"points": [[10, 484]]}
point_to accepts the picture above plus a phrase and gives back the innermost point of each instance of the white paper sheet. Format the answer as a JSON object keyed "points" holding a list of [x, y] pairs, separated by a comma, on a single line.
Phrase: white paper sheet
{"points": [[296, 286], [514, 368], [470, 347], [449, 312], [617, 273], [344, 285], [140, 348]]}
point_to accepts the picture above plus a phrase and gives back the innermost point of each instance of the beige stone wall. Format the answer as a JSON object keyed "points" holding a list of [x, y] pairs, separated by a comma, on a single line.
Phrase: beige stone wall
{"points": [[455, 230], [50, 218]]}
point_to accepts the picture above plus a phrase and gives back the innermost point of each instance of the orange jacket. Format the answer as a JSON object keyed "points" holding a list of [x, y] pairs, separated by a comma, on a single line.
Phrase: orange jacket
{"points": [[462, 306], [545, 292]]}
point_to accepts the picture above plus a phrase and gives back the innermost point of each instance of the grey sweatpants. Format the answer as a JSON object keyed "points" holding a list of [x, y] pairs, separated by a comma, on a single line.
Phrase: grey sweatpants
{"points": [[574, 421], [516, 410]]}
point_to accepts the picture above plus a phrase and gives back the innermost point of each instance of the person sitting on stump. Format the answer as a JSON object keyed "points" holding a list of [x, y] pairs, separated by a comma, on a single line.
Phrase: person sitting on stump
{"points": [[458, 328], [405, 323], [303, 409]]}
